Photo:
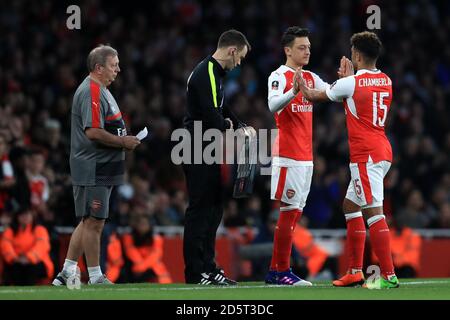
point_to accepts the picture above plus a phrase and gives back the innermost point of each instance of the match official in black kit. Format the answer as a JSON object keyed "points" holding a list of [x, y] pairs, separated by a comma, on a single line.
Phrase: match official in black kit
{"points": [[205, 103]]}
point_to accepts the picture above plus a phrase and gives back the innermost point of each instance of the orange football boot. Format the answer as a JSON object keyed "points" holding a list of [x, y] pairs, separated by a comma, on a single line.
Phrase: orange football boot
{"points": [[350, 280]]}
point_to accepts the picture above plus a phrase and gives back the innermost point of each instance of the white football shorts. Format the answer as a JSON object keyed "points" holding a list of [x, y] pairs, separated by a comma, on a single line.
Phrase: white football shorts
{"points": [[291, 184], [366, 185]]}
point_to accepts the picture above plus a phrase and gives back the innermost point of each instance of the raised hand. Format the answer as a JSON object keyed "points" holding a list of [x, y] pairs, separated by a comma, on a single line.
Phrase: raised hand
{"points": [[349, 67], [345, 68], [342, 68], [297, 79], [301, 83]]}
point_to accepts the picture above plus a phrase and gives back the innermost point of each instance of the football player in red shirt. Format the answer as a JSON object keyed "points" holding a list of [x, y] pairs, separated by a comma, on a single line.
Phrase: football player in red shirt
{"points": [[367, 97], [292, 162]]}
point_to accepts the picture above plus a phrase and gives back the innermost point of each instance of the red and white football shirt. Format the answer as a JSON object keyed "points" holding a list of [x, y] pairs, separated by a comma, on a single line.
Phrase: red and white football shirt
{"points": [[367, 97], [40, 191], [295, 120]]}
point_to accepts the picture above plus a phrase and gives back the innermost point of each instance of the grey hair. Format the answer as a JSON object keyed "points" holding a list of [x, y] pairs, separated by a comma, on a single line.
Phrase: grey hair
{"points": [[99, 55]]}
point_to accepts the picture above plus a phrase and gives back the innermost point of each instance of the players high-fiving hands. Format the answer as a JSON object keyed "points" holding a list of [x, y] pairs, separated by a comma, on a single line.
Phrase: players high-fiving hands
{"points": [[297, 77], [299, 82], [314, 95], [345, 68]]}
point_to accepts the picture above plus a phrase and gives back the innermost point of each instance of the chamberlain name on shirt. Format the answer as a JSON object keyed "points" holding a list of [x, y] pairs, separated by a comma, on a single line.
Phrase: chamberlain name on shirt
{"points": [[378, 82]]}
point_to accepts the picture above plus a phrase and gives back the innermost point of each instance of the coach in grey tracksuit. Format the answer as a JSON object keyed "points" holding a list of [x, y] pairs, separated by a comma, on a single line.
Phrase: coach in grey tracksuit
{"points": [[97, 160]]}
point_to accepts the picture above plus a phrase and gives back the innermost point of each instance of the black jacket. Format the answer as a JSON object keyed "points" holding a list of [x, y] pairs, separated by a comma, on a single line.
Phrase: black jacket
{"points": [[205, 98]]}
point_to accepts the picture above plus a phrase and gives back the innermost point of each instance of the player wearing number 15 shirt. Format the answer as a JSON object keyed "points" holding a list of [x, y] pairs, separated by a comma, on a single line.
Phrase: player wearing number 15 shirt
{"points": [[366, 96]]}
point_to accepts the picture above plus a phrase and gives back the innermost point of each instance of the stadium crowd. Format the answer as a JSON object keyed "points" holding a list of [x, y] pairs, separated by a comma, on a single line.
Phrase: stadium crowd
{"points": [[42, 62]]}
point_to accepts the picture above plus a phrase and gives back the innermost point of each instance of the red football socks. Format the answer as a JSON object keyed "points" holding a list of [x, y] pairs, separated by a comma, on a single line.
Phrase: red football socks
{"points": [[356, 238], [380, 241], [282, 243]]}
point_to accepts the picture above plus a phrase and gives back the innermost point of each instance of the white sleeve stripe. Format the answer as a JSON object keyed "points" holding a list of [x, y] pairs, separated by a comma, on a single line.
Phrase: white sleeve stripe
{"points": [[352, 107]]}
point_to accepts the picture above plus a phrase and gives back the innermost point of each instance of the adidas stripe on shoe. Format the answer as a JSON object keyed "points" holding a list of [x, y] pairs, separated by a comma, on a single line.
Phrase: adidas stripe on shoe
{"points": [[208, 280], [219, 275]]}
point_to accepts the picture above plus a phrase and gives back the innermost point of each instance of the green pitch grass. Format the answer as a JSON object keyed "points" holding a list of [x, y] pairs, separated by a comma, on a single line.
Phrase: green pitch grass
{"points": [[432, 289]]}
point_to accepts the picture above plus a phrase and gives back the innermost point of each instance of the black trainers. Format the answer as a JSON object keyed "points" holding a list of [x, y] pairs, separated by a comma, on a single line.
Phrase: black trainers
{"points": [[219, 275], [60, 280], [207, 279]]}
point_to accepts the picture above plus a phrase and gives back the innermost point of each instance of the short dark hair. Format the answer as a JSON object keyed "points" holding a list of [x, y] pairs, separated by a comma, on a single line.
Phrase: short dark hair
{"points": [[291, 33], [368, 44], [233, 38], [15, 226], [99, 55]]}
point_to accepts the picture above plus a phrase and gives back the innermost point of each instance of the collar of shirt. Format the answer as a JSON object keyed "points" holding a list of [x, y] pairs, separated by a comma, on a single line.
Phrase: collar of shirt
{"points": [[361, 71], [221, 71]]}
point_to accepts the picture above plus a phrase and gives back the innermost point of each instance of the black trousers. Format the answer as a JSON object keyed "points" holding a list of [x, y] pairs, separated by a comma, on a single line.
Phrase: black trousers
{"points": [[203, 216]]}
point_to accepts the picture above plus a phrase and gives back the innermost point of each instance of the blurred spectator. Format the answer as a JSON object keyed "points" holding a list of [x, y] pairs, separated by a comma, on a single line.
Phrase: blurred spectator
{"points": [[324, 195], [57, 147], [7, 181], [261, 247], [253, 211], [20, 193], [443, 220], [25, 248], [316, 258], [144, 250], [179, 205], [232, 217], [40, 191], [165, 214], [416, 213], [140, 186], [248, 216], [114, 258]]}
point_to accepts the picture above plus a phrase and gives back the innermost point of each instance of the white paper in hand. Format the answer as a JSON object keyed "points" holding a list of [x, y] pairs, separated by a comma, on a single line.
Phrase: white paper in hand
{"points": [[142, 134]]}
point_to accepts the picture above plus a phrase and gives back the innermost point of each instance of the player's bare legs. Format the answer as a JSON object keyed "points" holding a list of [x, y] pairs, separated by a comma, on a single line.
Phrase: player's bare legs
{"points": [[92, 231], [74, 252], [76, 245]]}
